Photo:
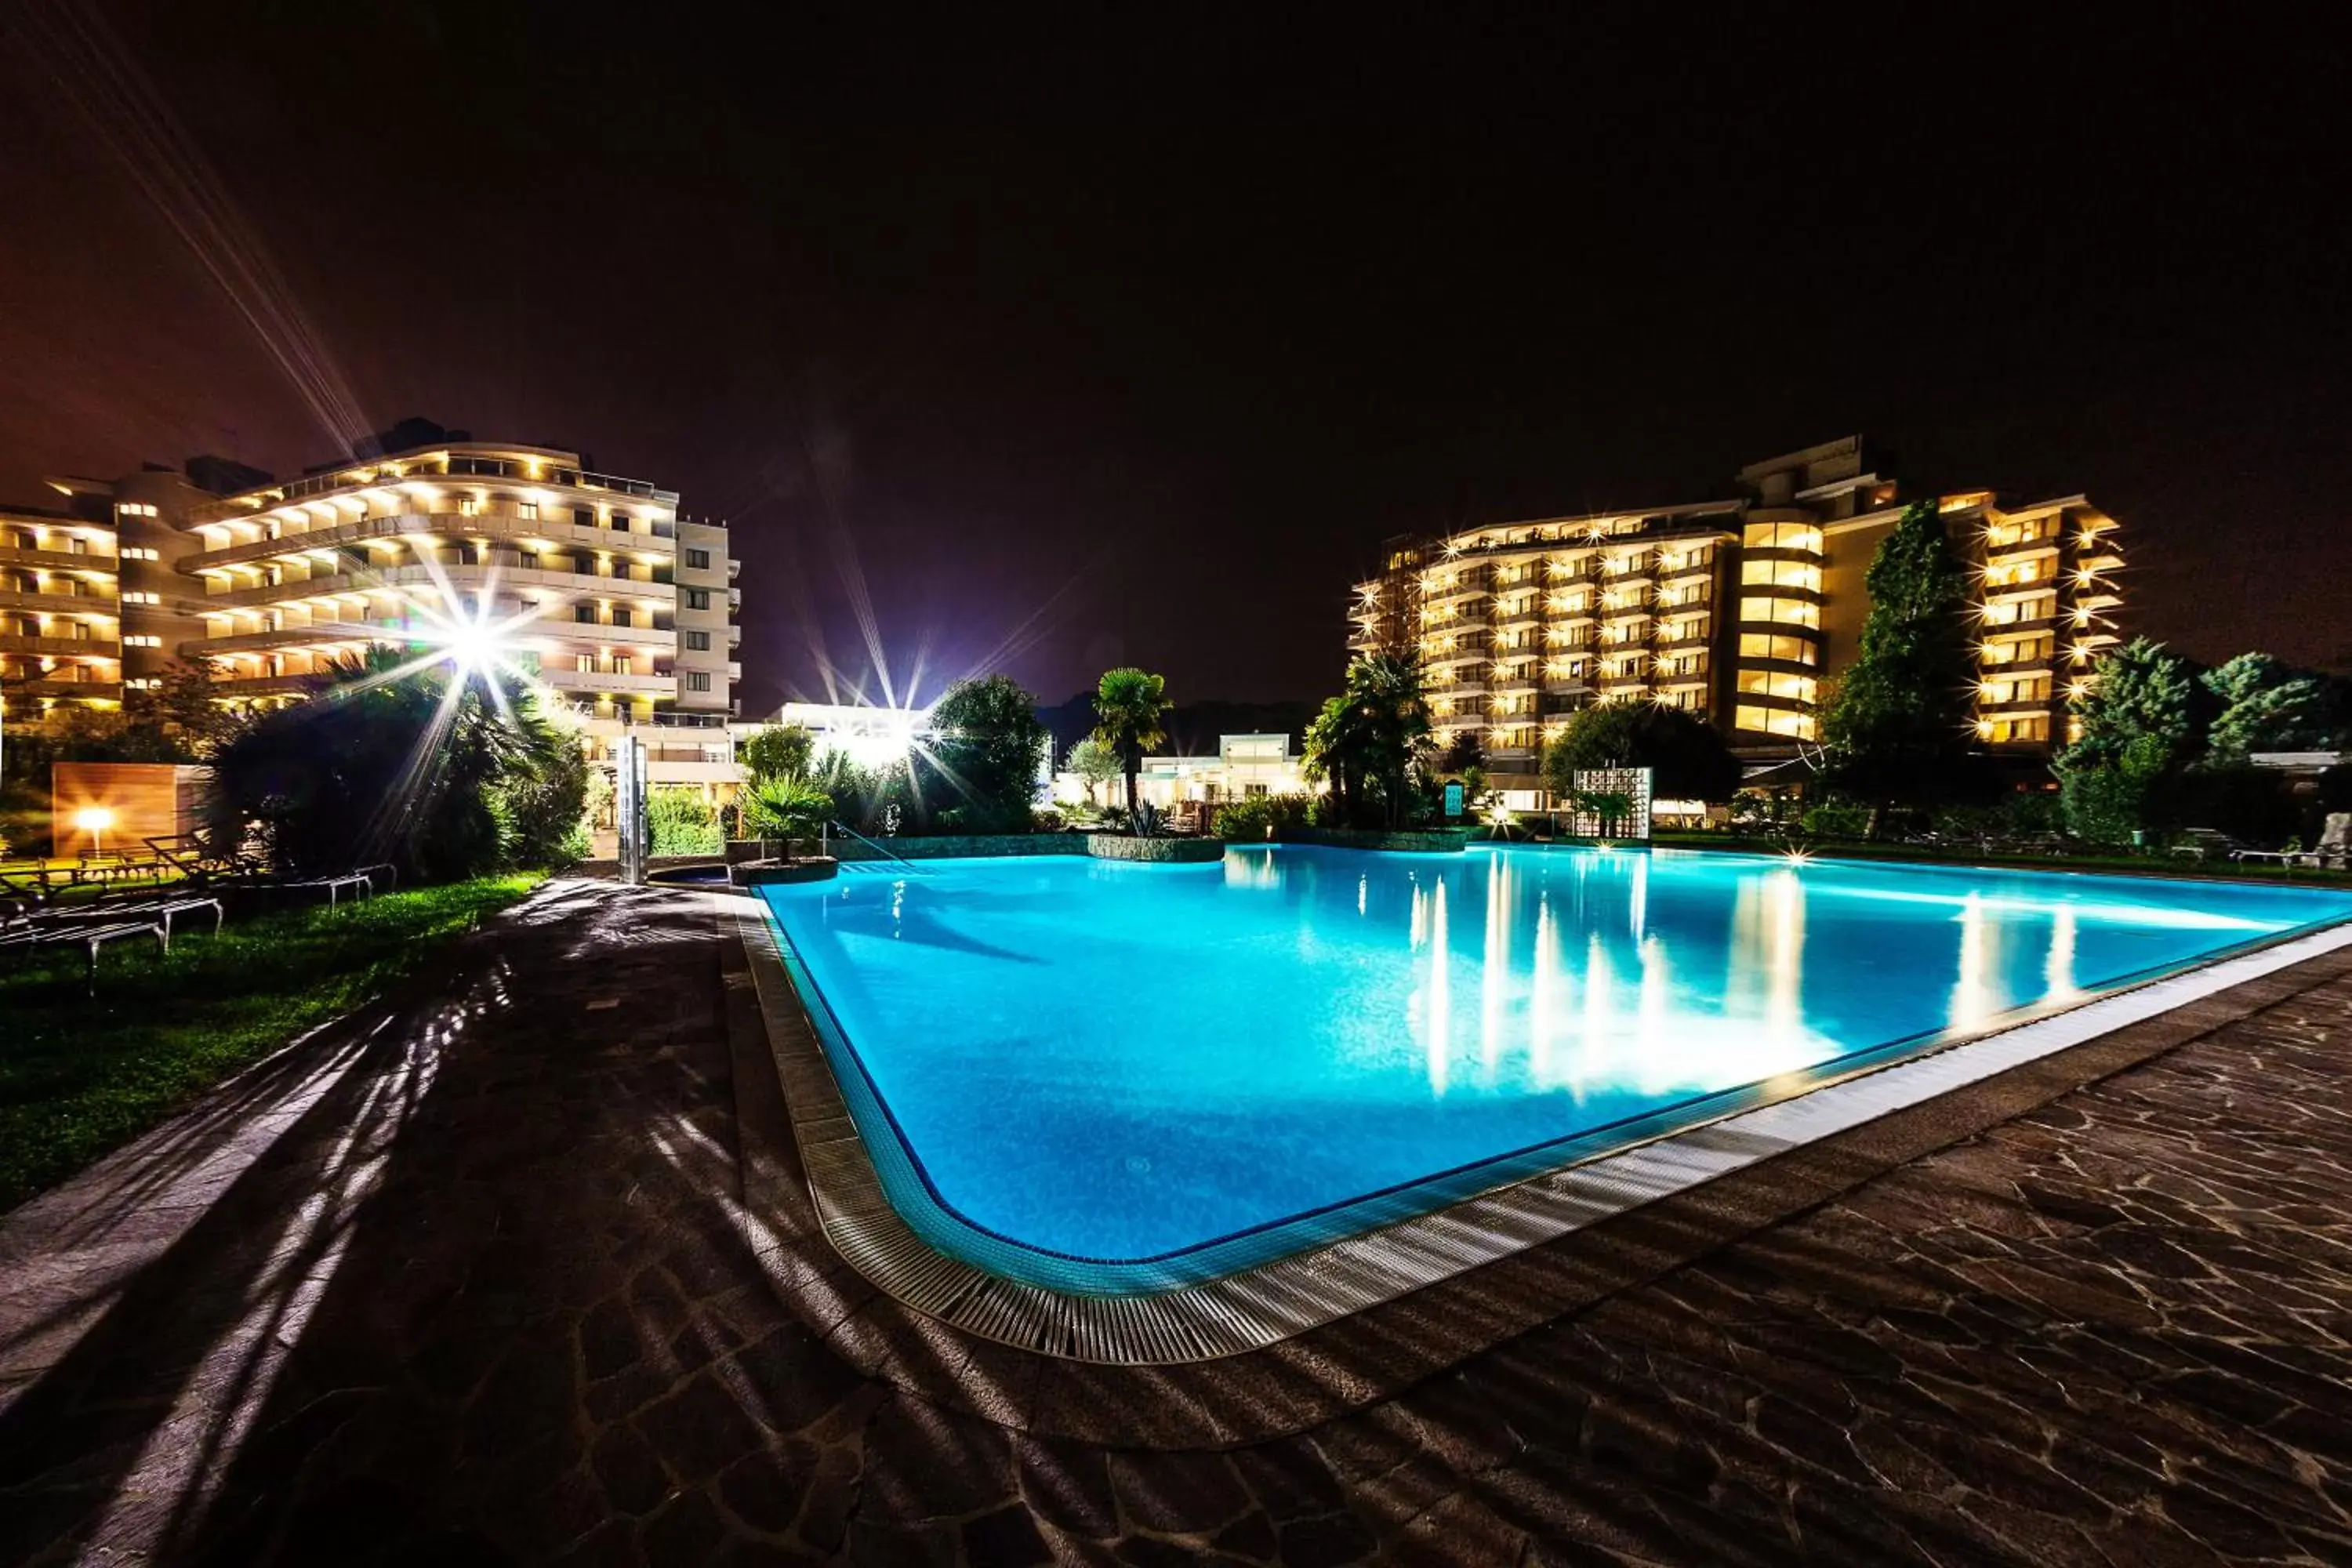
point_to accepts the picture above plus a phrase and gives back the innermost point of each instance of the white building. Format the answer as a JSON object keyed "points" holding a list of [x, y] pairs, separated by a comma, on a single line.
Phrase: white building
{"points": [[1243, 765]]}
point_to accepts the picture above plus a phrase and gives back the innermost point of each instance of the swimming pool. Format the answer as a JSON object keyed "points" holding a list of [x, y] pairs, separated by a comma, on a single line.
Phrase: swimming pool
{"points": [[1109, 1078]]}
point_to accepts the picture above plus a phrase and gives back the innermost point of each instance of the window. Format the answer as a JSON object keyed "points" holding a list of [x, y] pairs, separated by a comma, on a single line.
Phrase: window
{"points": [[142, 642], [1782, 536], [1784, 573], [698, 680], [469, 508], [1774, 722], [587, 664], [625, 617], [135, 553], [585, 613], [1773, 683], [1763, 645], [697, 642], [699, 559], [1788, 612], [527, 511], [623, 665], [697, 598], [620, 522], [583, 516], [154, 598]]}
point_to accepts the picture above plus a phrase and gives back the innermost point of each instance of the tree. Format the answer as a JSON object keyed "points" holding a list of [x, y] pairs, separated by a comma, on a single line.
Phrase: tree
{"points": [[185, 706], [382, 767], [1898, 726], [2136, 730], [1463, 754], [988, 743], [785, 806], [1128, 703], [541, 801], [1369, 738], [777, 751], [1097, 763], [1688, 757], [2264, 706]]}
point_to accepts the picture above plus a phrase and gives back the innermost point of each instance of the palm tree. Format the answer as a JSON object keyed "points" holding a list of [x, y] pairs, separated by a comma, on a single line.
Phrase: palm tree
{"points": [[1371, 734], [1127, 705]]}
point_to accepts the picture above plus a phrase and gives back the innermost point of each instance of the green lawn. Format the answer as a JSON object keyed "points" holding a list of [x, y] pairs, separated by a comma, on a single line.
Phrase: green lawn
{"points": [[81, 1075]]}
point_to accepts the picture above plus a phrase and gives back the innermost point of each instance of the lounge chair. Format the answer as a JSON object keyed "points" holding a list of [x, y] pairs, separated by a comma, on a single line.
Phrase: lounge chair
{"points": [[163, 908], [32, 935], [2205, 844]]}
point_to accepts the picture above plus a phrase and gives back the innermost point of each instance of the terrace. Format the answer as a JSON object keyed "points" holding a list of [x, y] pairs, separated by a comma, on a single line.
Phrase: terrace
{"points": [[2074, 1313]]}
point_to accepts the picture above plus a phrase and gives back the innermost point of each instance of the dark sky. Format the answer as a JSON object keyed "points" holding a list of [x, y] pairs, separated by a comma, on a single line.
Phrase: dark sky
{"points": [[1133, 346]]}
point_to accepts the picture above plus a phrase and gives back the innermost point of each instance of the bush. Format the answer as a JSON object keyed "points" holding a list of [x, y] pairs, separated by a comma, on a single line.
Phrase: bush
{"points": [[782, 807], [682, 822], [1048, 819], [1835, 819], [1262, 816]]}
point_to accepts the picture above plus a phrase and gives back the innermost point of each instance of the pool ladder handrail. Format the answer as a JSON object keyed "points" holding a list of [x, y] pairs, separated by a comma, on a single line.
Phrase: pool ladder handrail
{"points": [[912, 869]]}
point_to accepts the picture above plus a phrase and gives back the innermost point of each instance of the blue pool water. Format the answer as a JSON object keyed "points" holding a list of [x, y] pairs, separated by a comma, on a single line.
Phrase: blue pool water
{"points": [[1104, 1075]]}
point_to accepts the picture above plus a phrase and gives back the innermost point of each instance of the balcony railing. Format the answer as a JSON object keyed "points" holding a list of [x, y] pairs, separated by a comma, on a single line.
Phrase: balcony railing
{"points": [[450, 522]]}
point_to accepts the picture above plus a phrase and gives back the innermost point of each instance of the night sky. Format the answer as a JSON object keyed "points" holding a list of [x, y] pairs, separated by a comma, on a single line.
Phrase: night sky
{"points": [[1088, 348]]}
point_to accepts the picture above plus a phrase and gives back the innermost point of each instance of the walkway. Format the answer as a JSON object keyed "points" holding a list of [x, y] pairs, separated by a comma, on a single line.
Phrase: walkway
{"points": [[469, 1281]]}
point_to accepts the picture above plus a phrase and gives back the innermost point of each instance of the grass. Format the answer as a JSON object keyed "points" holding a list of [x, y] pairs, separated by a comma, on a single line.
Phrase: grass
{"points": [[81, 1075]]}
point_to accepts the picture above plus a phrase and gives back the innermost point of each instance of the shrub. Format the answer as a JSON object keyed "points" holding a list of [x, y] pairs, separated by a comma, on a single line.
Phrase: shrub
{"points": [[783, 806], [1048, 819], [682, 822], [1262, 816], [1835, 819]]}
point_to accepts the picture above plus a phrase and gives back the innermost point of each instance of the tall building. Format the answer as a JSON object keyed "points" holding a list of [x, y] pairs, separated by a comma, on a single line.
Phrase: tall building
{"points": [[609, 596], [1737, 610]]}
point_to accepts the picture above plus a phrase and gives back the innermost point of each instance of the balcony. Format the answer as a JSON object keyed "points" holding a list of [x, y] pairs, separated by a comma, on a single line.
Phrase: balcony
{"points": [[425, 582], [734, 569], [548, 638], [72, 647], [501, 524], [39, 560], [44, 602], [78, 690], [734, 598], [609, 683]]}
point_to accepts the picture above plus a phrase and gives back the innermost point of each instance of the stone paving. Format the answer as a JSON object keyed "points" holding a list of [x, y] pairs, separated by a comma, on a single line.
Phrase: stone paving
{"points": [[486, 1294]]}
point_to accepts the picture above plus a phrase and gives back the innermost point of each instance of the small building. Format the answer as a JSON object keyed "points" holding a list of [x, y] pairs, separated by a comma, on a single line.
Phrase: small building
{"points": [[113, 809], [1243, 765]]}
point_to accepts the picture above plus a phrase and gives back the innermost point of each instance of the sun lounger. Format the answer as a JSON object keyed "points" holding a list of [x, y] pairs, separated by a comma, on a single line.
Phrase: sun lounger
{"points": [[163, 910], [39, 937]]}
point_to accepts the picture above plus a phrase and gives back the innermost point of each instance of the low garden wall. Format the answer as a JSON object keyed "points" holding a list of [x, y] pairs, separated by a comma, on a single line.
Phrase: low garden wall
{"points": [[1410, 841], [949, 846], [1157, 851]]}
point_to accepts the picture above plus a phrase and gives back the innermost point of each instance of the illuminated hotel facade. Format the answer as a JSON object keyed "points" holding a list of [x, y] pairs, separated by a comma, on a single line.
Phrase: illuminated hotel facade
{"points": [[618, 604], [1738, 611]]}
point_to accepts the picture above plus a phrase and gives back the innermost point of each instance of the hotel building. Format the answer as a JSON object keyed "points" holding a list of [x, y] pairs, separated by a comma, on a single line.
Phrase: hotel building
{"points": [[616, 602], [1737, 610]]}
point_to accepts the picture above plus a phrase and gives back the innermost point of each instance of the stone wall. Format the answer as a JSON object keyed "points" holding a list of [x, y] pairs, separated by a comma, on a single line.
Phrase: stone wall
{"points": [[1415, 841], [949, 846], [1159, 851]]}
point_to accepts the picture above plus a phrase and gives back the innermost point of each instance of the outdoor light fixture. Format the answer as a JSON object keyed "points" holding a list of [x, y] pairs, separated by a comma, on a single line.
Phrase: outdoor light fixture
{"points": [[95, 820]]}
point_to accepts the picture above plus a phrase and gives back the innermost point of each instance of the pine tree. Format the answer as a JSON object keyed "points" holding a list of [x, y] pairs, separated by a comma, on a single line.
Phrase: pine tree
{"points": [[1898, 727]]}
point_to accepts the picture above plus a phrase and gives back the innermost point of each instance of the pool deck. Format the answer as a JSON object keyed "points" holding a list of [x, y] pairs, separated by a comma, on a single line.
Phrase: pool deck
{"points": [[472, 1277]]}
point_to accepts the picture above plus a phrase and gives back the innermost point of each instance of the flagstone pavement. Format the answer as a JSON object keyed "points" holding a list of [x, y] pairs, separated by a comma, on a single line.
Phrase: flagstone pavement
{"points": [[466, 1279]]}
